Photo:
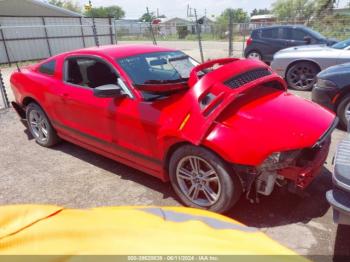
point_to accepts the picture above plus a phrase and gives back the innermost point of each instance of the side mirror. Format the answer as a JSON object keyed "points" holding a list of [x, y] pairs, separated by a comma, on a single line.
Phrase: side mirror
{"points": [[109, 90], [307, 39]]}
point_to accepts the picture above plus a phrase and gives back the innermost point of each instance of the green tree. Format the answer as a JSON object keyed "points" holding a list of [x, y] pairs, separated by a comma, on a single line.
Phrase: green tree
{"points": [[300, 9], [238, 15], [67, 4], [110, 11], [147, 17], [260, 12]]}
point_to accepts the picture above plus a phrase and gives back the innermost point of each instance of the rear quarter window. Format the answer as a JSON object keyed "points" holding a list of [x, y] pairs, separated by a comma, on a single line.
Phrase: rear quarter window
{"points": [[48, 68]]}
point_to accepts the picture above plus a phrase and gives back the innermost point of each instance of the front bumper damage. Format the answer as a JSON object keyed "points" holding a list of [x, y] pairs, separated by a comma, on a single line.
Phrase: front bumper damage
{"points": [[297, 168], [302, 166]]}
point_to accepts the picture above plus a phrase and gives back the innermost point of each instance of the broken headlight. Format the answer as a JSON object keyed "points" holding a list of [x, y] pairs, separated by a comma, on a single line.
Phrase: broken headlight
{"points": [[279, 160]]}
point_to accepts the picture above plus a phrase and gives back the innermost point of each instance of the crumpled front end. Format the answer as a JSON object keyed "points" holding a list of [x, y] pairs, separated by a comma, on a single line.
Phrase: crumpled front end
{"points": [[245, 115]]}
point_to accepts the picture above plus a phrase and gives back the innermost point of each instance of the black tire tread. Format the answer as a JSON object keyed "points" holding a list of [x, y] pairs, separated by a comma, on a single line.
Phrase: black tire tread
{"points": [[53, 137], [231, 185]]}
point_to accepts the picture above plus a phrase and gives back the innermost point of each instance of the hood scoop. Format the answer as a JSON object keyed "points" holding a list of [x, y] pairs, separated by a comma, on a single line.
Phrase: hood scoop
{"points": [[247, 77]]}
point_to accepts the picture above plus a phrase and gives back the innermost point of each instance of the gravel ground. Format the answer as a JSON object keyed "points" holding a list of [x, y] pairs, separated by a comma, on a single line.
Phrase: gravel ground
{"points": [[70, 176]]}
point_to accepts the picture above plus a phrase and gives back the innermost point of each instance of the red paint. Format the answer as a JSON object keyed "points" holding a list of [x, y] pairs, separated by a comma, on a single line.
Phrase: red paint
{"points": [[249, 41], [243, 125]]}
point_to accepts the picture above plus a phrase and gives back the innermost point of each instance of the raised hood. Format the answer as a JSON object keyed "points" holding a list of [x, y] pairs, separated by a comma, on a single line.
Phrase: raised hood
{"points": [[243, 104]]}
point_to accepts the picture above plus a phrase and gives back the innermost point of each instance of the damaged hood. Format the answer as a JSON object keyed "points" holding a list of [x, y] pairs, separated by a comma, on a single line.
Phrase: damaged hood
{"points": [[243, 104]]}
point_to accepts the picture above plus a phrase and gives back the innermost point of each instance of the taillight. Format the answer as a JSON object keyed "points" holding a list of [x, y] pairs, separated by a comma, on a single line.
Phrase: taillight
{"points": [[249, 41]]}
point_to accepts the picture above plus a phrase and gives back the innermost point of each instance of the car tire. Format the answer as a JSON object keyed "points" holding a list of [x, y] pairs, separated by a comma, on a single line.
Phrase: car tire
{"points": [[302, 76], [254, 55], [342, 108], [215, 187], [40, 127]]}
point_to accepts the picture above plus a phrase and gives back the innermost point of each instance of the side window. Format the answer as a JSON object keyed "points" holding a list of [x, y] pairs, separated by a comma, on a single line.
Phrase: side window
{"points": [[270, 33], [48, 68], [89, 72], [299, 35], [286, 33]]}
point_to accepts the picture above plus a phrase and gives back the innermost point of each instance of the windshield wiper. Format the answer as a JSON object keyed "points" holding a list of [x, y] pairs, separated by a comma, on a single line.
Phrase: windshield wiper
{"points": [[157, 82]]}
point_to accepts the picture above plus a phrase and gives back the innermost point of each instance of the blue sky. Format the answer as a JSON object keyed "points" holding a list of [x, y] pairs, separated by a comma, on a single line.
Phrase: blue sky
{"points": [[171, 8]]}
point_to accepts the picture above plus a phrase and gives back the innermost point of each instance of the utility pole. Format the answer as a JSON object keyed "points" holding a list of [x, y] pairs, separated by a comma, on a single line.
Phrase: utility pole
{"points": [[150, 27], [198, 30], [157, 12]]}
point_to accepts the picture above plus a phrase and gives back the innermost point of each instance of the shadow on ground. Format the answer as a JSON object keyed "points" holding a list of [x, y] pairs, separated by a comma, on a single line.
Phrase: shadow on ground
{"points": [[342, 244], [123, 171], [280, 208]]}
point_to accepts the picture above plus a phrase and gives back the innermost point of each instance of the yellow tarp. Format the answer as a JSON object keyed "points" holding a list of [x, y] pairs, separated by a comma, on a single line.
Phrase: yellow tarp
{"points": [[31, 229]]}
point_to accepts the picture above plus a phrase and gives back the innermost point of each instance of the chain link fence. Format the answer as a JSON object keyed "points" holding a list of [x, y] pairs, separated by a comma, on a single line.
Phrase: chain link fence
{"points": [[34, 38], [4, 101]]}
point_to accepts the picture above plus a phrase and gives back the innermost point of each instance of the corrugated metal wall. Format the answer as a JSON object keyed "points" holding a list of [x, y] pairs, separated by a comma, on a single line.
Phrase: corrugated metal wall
{"points": [[32, 38]]}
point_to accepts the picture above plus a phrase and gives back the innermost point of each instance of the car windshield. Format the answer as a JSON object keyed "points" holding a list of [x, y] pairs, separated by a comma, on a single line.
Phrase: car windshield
{"points": [[316, 34], [342, 45], [158, 68]]}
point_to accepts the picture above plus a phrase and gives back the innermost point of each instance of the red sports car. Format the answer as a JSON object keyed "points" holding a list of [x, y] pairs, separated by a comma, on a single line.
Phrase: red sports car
{"points": [[215, 130]]}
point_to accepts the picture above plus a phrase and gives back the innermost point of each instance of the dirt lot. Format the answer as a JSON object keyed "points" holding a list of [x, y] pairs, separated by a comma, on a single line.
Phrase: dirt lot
{"points": [[70, 176]]}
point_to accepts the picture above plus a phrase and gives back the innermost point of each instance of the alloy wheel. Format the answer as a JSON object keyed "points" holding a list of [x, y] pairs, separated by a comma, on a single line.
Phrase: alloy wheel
{"points": [[38, 125], [198, 180], [347, 113], [301, 77]]}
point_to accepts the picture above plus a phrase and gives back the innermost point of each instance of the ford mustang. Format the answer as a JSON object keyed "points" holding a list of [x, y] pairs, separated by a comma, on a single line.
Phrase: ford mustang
{"points": [[216, 130]]}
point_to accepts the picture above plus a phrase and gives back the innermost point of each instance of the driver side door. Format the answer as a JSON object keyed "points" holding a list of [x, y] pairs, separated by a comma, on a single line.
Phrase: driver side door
{"points": [[79, 114]]}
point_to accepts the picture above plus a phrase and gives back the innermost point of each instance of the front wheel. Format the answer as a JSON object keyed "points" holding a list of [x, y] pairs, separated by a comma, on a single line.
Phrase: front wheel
{"points": [[255, 55], [302, 76], [40, 126], [203, 180], [343, 111]]}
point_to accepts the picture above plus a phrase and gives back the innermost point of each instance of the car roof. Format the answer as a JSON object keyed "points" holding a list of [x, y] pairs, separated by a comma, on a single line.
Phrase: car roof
{"points": [[119, 51], [281, 26]]}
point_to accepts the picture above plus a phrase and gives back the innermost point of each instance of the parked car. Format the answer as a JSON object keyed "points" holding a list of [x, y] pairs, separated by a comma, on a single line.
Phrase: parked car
{"points": [[300, 65], [264, 42], [332, 90], [339, 196], [214, 130]]}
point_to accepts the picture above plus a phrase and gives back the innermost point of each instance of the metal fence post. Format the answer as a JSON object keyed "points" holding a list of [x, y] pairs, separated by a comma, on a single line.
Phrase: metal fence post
{"points": [[115, 31], [151, 29], [198, 31], [5, 46], [3, 92], [94, 31], [110, 29], [244, 37], [82, 31], [230, 34], [46, 36]]}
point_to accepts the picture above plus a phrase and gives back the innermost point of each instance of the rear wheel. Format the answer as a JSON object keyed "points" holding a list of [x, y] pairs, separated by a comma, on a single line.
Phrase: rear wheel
{"points": [[202, 180], [302, 76], [343, 110], [40, 126]]}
